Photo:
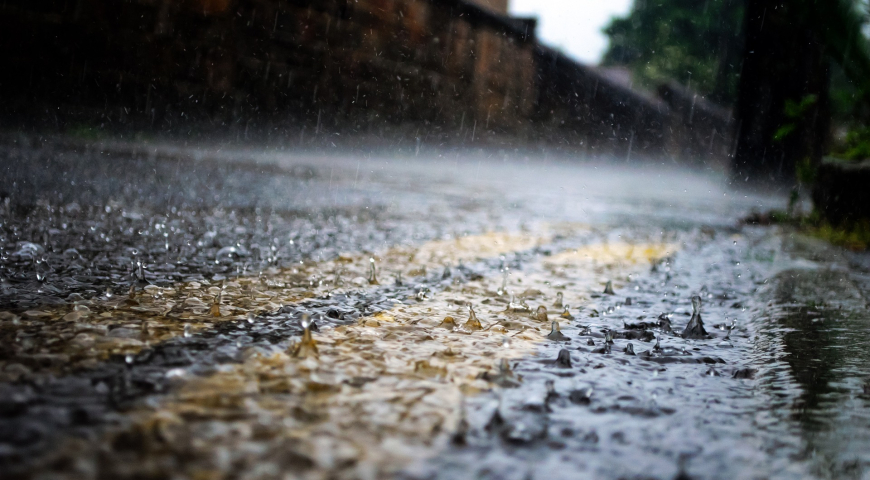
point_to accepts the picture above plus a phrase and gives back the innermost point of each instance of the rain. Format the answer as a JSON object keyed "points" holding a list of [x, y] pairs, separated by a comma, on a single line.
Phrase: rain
{"points": [[434, 239]]}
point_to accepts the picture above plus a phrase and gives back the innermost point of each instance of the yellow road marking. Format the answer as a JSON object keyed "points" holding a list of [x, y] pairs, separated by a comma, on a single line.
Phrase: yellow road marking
{"points": [[382, 392]]}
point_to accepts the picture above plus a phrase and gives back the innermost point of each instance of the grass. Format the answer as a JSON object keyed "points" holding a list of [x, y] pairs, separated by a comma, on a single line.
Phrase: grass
{"points": [[855, 235]]}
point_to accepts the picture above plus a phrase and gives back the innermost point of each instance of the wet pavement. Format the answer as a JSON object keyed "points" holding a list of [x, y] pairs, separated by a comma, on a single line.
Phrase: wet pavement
{"points": [[153, 300]]}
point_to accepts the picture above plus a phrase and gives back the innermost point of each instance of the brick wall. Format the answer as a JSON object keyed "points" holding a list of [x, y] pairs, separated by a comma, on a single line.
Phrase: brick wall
{"points": [[398, 60], [497, 6], [448, 68]]}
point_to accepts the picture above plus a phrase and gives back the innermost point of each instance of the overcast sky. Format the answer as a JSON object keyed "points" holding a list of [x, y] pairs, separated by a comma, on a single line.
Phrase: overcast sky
{"points": [[574, 26]]}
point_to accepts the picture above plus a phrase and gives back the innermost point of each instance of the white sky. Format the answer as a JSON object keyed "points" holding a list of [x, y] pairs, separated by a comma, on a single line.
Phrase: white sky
{"points": [[573, 26]]}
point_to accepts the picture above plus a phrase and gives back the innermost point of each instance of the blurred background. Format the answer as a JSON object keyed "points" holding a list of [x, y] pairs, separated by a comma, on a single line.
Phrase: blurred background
{"points": [[186, 185], [762, 89]]}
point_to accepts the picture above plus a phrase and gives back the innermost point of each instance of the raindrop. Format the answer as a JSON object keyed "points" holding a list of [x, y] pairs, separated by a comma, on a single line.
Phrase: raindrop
{"points": [[503, 289], [449, 323], [187, 330], [373, 278], [422, 293], [518, 307], [567, 314], [446, 273], [695, 328], [556, 334], [541, 314], [472, 324], [216, 305], [608, 289], [306, 347]]}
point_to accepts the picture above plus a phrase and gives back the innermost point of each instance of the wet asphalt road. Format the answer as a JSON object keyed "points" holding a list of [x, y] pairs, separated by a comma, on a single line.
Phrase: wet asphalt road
{"points": [[98, 382]]}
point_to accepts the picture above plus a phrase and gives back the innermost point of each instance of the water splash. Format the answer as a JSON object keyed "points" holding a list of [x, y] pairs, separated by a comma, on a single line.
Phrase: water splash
{"points": [[472, 324], [449, 323], [563, 359], [558, 302], [556, 334], [504, 376], [373, 272], [695, 328], [541, 314], [502, 291], [518, 307], [215, 310], [306, 347], [608, 288], [566, 314]]}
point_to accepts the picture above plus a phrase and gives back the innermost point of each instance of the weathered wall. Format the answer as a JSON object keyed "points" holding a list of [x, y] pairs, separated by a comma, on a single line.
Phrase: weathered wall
{"points": [[582, 108], [339, 61], [446, 71], [704, 131], [497, 6]]}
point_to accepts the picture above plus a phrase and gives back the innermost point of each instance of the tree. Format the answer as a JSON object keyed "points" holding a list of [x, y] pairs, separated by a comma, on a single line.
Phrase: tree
{"points": [[697, 43], [783, 107]]}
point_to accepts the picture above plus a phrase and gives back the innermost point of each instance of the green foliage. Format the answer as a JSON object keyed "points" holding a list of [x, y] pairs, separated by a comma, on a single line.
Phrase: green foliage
{"points": [[784, 131], [856, 145], [697, 43], [795, 112], [854, 236]]}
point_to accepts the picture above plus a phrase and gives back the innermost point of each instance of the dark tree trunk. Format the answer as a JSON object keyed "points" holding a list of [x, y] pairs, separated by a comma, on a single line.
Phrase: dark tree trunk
{"points": [[784, 61]]}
